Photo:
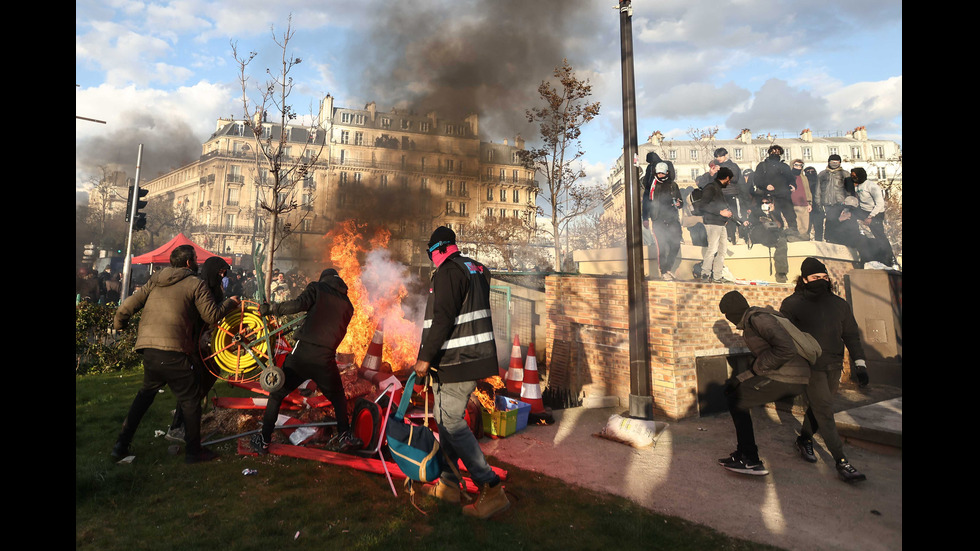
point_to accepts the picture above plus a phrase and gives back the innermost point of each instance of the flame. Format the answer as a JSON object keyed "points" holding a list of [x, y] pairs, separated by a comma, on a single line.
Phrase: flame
{"points": [[383, 305]]}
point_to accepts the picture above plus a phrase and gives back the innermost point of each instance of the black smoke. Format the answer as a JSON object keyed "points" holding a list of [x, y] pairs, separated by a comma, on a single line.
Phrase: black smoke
{"points": [[486, 56]]}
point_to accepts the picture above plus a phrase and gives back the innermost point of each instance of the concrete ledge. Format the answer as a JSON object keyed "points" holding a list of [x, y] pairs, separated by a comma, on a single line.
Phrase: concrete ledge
{"points": [[880, 423], [595, 402]]}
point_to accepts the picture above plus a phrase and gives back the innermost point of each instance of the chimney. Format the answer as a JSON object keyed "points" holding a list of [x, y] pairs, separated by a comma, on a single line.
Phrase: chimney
{"points": [[326, 111], [519, 142], [806, 135], [434, 118], [656, 138], [745, 136], [474, 121], [372, 109], [861, 133]]}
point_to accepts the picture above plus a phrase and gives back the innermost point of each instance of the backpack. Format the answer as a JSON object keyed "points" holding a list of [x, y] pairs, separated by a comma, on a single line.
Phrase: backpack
{"points": [[695, 197], [806, 345]]}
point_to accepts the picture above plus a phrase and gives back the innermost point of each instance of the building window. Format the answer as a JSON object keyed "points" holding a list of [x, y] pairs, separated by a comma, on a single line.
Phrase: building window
{"points": [[738, 153], [449, 207], [344, 136], [425, 183], [855, 152], [229, 221], [833, 151], [503, 213], [424, 126], [694, 154], [462, 209], [385, 122], [307, 224], [672, 154], [879, 151], [489, 194], [807, 154], [384, 181], [694, 173], [449, 187], [450, 165], [503, 195], [233, 196], [503, 174], [358, 138], [517, 196], [489, 156], [406, 124], [345, 118], [343, 178], [881, 173], [358, 119]]}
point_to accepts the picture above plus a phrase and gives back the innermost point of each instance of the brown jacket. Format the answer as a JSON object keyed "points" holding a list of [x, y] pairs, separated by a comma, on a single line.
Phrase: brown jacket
{"points": [[172, 300]]}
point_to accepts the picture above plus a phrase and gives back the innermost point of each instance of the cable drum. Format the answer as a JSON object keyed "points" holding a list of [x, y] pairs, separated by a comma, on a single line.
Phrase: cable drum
{"points": [[239, 344]]}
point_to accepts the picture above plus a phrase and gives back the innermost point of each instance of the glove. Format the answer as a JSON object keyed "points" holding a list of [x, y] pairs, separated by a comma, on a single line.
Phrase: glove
{"points": [[861, 373], [264, 309]]}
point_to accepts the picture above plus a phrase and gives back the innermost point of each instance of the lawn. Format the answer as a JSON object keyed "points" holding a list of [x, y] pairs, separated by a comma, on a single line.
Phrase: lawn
{"points": [[159, 502]]}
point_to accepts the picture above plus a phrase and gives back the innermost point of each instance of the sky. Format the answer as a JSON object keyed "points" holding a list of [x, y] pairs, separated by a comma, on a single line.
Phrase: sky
{"points": [[160, 73]]}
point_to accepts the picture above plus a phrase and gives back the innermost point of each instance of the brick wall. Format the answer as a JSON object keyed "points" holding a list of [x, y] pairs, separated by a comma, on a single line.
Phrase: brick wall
{"points": [[589, 315]]}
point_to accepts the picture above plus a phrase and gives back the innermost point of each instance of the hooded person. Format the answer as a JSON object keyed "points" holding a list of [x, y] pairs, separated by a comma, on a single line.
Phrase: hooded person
{"points": [[212, 272], [802, 198], [774, 178], [314, 356], [661, 202], [779, 371], [814, 308], [871, 210], [457, 349]]}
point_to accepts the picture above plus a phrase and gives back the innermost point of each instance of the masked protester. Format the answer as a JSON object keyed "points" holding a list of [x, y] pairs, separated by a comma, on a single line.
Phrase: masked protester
{"points": [[457, 350], [774, 178], [778, 371], [828, 201], [815, 309], [871, 209], [661, 201], [173, 302], [314, 356], [764, 229]]}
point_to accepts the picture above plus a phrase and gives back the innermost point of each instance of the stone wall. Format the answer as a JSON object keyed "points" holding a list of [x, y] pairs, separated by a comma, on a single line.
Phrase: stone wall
{"points": [[588, 318]]}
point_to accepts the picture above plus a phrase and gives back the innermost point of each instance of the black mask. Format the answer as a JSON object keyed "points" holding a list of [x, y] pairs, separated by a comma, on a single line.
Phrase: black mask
{"points": [[818, 287], [796, 171]]}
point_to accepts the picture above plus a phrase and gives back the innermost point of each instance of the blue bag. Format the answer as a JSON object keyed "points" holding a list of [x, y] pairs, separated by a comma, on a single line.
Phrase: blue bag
{"points": [[414, 448]]}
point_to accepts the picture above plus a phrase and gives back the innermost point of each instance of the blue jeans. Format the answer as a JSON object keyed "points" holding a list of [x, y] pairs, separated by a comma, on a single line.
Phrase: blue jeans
{"points": [[455, 436]]}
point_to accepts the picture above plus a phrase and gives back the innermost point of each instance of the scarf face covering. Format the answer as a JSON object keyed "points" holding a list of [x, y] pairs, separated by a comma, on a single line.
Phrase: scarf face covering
{"points": [[817, 288], [438, 258]]}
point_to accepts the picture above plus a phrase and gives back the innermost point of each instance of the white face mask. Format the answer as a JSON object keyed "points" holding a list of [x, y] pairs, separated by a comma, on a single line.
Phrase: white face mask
{"points": [[766, 207]]}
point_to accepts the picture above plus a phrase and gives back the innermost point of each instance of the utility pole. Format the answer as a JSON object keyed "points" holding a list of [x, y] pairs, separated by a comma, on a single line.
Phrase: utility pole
{"points": [[641, 396]]}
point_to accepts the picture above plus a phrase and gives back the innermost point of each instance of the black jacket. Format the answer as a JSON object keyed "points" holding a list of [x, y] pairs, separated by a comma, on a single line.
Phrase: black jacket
{"points": [[457, 338], [712, 203], [830, 320], [663, 203], [329, 311], [775, 172]]}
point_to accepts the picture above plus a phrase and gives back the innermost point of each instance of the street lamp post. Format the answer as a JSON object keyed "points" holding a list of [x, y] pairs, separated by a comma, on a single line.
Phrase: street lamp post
{"points": [[641, 397]]}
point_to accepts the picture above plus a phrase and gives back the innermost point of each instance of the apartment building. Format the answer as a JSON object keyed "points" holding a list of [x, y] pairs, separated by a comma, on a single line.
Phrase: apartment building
{"points": [[407, 171]]}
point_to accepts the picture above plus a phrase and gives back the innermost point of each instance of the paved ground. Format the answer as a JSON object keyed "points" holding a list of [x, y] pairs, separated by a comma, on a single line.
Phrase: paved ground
{"points": [[799, 505]]}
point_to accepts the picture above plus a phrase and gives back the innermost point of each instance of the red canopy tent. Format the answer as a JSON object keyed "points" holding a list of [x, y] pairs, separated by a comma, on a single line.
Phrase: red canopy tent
{"points": [[162, 255]]}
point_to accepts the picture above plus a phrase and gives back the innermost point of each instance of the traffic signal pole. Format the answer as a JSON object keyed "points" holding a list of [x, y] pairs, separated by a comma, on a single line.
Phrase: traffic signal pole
{"points": [[131, 215]]}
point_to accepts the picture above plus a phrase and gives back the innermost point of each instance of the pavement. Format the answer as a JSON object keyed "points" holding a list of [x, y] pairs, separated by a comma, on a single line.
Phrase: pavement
{"points": [[798, 505]]}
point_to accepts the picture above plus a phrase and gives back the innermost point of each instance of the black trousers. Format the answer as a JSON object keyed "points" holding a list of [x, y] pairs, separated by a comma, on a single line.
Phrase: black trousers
{"points": [[176, 370], [753, 392], [309, 361]]}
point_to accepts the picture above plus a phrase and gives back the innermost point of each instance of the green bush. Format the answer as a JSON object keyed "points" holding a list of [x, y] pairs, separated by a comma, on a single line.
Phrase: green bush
{"points": [[96, 351]]}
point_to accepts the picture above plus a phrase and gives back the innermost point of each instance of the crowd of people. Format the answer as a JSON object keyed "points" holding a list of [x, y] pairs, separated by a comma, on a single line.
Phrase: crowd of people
{"points": [[457, 348], [772, 205]]}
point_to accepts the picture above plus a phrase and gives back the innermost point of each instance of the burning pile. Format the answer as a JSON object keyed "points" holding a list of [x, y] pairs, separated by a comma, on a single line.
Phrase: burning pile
{"points": [[377, 290]]}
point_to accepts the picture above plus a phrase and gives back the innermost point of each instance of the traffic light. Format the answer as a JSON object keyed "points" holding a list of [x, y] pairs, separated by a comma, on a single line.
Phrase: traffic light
{"points": [[140, 222]]}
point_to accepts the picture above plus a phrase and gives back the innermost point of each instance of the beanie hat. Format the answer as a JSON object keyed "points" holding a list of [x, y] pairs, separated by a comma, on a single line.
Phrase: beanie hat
{"points": [[661, 168], [441, 237], [834, 157], [851, 201], [721, 151], [733, 305], [812, 266]]}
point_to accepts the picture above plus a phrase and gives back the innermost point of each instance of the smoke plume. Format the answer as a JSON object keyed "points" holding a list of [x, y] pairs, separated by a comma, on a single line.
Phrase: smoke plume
{"points": [[486, 57]]}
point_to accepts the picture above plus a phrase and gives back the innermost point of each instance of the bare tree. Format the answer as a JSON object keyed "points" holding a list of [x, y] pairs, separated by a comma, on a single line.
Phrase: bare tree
{"points": [[704, 142], [501, 237], [566, 109], [280, 171]]}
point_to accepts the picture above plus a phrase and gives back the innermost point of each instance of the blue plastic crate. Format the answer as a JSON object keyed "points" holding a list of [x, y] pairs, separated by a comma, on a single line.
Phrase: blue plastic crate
{"points": [[523, 410]]}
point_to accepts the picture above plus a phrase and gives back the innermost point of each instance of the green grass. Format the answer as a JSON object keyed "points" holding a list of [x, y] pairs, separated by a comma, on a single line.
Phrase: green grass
{"points": [[159, 502]]}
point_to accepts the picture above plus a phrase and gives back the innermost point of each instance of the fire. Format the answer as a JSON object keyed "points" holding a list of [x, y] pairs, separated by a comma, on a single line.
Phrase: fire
{"points": [[374, 303]]}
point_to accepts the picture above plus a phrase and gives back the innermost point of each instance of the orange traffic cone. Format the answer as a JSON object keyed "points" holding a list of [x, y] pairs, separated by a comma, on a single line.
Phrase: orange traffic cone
{"points": [[531, 388], [515, 375], [372, 366]]}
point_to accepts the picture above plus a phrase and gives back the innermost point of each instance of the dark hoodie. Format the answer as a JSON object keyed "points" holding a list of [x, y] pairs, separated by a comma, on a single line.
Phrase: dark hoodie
{"points": [[211, 277], [814, 308], [329, 310], [650, 174]]}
